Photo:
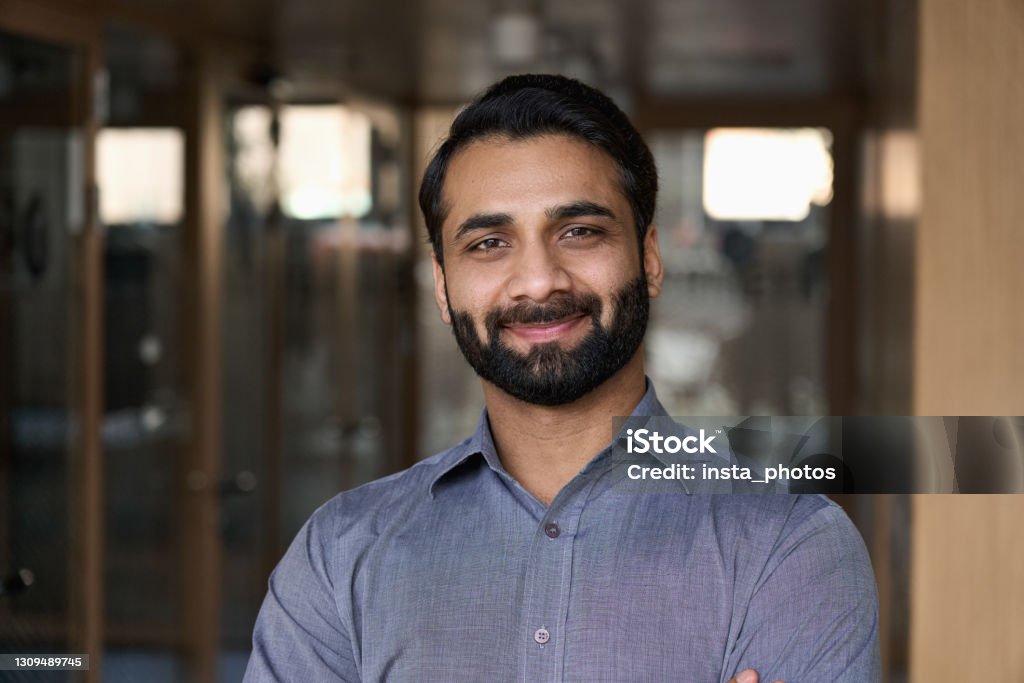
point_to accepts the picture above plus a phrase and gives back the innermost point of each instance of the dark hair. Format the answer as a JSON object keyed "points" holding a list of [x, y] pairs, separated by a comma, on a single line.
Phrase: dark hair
{"points": [[530, 105]]}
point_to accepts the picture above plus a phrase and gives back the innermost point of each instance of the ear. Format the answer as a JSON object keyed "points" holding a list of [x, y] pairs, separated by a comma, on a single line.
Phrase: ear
{"points": [[441, 291], [654, 270]]}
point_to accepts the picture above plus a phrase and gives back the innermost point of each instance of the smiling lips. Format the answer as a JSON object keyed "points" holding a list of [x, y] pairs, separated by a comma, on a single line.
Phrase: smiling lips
{"points": [[537, 333]]}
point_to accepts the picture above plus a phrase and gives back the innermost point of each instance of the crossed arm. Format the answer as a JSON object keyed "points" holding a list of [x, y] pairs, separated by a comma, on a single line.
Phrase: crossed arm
{"points": [[813, 614]]}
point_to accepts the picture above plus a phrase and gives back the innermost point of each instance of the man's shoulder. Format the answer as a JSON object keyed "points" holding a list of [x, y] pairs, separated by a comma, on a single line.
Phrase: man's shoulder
{"points": [[379, 501], [772, 526], [778, 510]]}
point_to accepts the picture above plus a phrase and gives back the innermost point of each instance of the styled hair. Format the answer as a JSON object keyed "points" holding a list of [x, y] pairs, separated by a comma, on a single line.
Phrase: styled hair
{"points": [[531, 105]]}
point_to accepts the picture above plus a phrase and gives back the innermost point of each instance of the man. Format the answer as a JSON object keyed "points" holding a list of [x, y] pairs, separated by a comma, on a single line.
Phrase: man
{"points": [[517, 555]]}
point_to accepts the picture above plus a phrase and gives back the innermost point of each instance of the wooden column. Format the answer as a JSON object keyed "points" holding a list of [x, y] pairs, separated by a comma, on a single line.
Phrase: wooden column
{"points": [[201, 483], [86, 484], [967, 575]]}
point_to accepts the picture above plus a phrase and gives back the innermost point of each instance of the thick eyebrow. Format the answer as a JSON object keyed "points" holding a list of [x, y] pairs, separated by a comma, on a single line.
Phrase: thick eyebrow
{"points": [[482, 221], [579, 209]]}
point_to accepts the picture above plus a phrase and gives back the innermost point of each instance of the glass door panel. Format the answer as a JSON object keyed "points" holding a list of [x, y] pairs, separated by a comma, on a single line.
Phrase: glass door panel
{"points": [[739, 328], [317, 313], [140, 171], [41, 209]]}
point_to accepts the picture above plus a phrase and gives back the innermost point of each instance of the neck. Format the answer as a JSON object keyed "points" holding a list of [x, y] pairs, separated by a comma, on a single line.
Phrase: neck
{"points": [[544, 447]]}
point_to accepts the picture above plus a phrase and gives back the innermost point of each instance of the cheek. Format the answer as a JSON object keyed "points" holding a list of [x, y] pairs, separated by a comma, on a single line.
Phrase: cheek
{"points": [[472, 302], [609, 290], [610, 294], [465, 301], [472, 290]]}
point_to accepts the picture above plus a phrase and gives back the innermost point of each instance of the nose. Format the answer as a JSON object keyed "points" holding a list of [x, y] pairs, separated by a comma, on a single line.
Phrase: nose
{"points": [[538, 274]]}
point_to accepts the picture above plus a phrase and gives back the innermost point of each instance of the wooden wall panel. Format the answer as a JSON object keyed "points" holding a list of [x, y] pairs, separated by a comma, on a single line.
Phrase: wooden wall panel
{"points": [[967, 582], [967, 621], [970, 312]]}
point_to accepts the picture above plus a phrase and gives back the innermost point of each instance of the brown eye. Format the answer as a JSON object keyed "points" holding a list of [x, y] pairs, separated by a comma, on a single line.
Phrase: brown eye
{"points": [[489, 244], [579, 232]]}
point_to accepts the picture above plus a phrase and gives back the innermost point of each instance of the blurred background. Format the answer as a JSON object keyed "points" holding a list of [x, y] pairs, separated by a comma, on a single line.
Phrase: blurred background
{"points": [[215, 307]]}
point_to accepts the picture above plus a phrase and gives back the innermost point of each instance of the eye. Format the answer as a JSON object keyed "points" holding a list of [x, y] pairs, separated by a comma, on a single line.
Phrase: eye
{"points": [[578, 232], [489, 244]]}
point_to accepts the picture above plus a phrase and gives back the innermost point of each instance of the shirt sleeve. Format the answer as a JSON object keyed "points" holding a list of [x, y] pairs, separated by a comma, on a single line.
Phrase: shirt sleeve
{"points": [[813, 613], [299, 634]]}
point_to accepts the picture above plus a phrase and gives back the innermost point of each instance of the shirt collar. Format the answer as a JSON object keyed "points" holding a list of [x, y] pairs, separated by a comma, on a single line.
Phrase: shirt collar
{"points": [[481, 443]]}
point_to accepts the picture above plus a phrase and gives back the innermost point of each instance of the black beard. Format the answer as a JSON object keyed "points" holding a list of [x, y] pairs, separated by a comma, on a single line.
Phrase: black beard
{"points": [[548, 374]]}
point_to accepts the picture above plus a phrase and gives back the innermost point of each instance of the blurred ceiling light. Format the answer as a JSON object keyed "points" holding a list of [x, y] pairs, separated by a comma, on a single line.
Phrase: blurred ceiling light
{"points": [[129, 194], [324, 162], [515, 37], [766, 174]]}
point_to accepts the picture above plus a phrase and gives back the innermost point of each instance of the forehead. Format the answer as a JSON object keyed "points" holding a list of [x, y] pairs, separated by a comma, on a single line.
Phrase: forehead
{"points": [[526, 176]]}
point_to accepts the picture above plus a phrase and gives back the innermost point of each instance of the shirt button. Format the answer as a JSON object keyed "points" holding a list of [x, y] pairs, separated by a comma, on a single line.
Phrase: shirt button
{"points": [[552, 530], [541, 635]]}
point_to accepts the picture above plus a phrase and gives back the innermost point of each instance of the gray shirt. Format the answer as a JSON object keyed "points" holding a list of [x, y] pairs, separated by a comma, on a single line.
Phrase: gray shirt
{"points": [[451, 571]]}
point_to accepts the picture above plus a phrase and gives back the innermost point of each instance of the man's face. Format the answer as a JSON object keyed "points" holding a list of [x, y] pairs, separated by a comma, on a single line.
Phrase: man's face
{"points": [[543, 281]]}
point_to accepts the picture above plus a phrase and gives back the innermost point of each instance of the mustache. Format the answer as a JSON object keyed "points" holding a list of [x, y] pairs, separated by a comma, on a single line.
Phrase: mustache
{"points": [[525, 313]]}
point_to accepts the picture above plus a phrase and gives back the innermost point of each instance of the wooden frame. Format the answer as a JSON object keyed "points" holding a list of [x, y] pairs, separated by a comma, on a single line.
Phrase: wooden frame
{"points": [[841, 117], [203, 258]]}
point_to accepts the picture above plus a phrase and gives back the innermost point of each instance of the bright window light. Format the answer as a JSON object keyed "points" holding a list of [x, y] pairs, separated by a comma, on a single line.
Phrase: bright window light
{"points": [[324, 162], [766, 174], [140, 172]]}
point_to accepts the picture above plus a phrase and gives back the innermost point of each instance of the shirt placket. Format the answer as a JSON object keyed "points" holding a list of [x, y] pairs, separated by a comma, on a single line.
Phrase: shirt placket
{"points": [[548, 583]]}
